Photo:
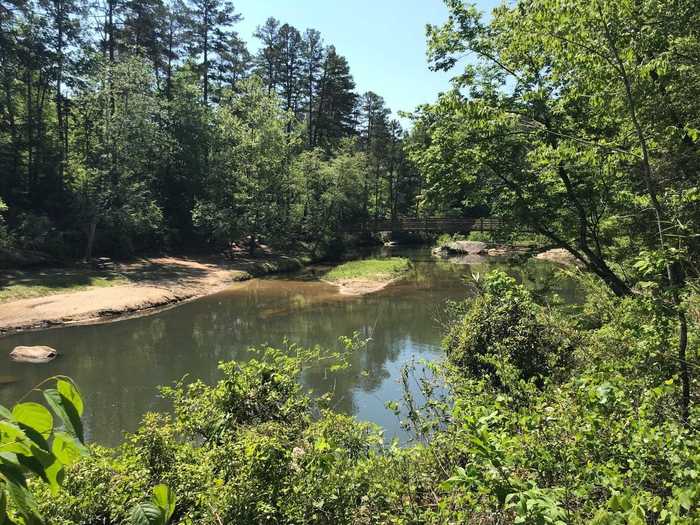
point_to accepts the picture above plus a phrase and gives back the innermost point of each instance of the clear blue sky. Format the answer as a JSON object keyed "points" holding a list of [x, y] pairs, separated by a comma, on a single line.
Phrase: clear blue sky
{"points": [[383, 40]]}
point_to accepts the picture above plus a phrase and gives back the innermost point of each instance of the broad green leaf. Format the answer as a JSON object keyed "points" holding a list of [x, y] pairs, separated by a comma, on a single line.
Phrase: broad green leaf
{"points": [[55, 473], [165, 499], [68, 413], [146, 514], [70, 392], [44, 464], [67, 449], [34, 415], [9, 458], [35, 439], [4, 413], [13, 439]]}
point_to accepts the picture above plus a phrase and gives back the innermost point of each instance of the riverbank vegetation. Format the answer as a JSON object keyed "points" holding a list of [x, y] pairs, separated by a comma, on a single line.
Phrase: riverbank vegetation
{"points": [[367, 275], [535, 417], [26, 284], [372, 269]]}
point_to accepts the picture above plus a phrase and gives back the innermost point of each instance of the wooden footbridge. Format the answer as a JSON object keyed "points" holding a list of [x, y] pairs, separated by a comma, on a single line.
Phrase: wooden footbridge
{"points": [[427, 224]]}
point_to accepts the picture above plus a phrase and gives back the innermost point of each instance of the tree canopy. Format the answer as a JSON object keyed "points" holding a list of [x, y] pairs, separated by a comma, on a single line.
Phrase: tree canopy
{"points": [[134, 125]]}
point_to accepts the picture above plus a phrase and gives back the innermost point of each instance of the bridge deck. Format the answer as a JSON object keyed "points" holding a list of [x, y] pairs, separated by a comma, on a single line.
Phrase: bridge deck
{"points": [[429, 224]]}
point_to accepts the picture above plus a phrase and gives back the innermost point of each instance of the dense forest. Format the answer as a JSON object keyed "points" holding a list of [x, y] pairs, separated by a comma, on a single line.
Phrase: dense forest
{"points": [[134, 124], [575, 120]]}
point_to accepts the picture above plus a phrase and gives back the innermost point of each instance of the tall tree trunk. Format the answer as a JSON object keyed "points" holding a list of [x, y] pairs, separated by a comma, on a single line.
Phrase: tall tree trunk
{"points": [[110, 30], [31, 172], [169, 71], [92, 229], [206, 55], [62, 133], [310, 95], [13, 183]]}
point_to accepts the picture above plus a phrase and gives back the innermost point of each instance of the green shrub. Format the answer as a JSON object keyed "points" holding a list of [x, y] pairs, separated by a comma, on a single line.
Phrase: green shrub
{"points": [[6, 240], [263, 390], [372, 269], [503, 336], [448, 238]]}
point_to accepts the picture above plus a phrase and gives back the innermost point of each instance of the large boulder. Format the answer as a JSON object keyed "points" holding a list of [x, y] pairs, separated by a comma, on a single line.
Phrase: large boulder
{"points": [[559, 256], [33, 354]]}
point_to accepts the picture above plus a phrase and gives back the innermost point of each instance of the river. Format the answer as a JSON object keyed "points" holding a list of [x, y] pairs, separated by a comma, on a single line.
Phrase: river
{"points": [[119, 365]]}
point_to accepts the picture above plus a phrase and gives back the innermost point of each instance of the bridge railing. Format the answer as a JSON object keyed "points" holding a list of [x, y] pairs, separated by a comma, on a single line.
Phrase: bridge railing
{"points": [[433, 224]]}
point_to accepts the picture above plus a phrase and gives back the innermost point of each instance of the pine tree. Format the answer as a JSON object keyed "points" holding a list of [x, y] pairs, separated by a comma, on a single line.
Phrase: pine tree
{"points": [[210, 24], [268, 58], [336, 101], [290, 67], [312, 57]]}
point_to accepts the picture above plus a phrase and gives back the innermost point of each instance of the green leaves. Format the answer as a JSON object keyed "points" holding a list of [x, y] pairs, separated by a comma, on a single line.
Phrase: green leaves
{"points": [[165, 499], [70, 392], [30, 445], [158, 511], [34, 416], [66, 448], [67, 403]]}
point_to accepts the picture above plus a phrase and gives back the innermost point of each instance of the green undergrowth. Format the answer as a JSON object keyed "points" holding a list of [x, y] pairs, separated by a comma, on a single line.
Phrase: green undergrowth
{"points": [[370, 269], [535, 417], [26, 285]]}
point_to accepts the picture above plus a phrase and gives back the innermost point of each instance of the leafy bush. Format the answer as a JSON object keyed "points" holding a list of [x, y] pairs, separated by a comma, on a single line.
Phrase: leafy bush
{"points": [[6, 240], [372, 269], [448, 238], [261, 391], [503, 336]]}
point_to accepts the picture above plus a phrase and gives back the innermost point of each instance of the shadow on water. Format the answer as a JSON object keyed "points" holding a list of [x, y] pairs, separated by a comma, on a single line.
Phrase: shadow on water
{"points": [[120, 365]]}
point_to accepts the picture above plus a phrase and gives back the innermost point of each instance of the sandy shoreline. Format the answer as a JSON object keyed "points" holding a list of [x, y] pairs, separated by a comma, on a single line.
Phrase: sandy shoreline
{"points": [[360, 286], [161, 282]]}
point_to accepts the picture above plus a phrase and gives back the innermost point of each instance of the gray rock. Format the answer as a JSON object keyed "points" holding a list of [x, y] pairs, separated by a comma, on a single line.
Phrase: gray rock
{"points": [[33, 354], [559, 256], [461, 248], [470, 247]]}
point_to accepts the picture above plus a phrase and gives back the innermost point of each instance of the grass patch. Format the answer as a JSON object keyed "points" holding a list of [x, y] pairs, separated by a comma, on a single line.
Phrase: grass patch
{"points": [[370, 269], [25, 285]]}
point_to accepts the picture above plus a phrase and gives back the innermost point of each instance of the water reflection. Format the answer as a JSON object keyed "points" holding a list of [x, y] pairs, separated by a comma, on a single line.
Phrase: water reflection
{"points": [[120, 365]]}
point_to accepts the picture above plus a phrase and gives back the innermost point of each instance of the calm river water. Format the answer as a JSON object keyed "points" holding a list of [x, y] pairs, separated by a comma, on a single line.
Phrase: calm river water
{"points": [[119, 366]]}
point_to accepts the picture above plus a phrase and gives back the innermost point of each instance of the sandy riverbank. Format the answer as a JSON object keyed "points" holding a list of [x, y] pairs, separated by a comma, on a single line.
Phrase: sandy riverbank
{"points": [[149, 285], [360, 286], [367, 276]]}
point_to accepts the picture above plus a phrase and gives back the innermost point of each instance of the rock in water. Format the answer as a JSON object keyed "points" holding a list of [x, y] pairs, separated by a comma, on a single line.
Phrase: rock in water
{"points": [[7, 380], [559, 256], [462, 248], [33, 354], [470, 247]]}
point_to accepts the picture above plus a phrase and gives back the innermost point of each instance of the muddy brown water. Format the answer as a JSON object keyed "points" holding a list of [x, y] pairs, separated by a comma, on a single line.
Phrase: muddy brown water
{"points": [[119, 365]]}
